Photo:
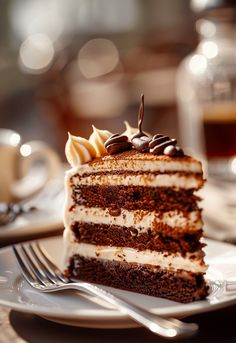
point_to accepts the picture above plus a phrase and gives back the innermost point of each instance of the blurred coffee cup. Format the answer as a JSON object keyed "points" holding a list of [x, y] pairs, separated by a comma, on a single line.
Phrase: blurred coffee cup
{"points": [[17, 160]]}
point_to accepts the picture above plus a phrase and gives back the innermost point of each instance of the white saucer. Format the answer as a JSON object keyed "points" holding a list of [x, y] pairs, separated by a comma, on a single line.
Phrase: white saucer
{"points": [[76, 309], [47, 216], [33, 224]]}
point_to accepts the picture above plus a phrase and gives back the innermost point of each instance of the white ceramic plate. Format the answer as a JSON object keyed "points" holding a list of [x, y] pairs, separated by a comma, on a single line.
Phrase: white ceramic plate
{"points": [[76, 309]]}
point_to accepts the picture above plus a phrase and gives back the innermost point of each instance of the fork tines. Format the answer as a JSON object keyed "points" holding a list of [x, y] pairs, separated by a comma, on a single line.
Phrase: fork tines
{"points": [[37, 267], [42, 274]]}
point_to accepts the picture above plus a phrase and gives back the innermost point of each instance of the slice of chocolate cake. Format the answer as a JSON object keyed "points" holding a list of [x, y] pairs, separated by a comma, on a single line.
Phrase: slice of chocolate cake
{"points": [[132, 219]]}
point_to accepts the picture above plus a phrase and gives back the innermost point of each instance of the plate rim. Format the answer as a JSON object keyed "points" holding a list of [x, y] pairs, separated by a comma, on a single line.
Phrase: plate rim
{"points": [[31, 230]]}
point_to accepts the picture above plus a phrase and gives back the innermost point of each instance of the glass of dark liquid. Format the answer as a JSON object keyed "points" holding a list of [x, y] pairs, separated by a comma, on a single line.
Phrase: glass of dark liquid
{"points": [[219, 133], [206, 92]]}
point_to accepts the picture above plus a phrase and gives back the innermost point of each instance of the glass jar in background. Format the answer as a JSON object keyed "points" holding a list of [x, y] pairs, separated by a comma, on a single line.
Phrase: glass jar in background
{"points": [[206, 92]]}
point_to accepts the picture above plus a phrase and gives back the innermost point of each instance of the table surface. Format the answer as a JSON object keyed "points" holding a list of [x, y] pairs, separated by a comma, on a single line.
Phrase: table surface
{"points": [[17, 327]]}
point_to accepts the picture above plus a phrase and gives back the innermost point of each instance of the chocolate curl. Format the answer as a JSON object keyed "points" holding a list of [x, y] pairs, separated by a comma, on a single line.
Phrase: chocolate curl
{"points": [[140, 140], [141, 115]]}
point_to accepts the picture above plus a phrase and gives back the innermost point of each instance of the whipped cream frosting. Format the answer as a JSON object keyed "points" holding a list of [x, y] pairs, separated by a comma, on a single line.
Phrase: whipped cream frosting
{"points": [[79, 150], [142, 162], [138, 219], [97, 139], [191, 262], [146, 180]]}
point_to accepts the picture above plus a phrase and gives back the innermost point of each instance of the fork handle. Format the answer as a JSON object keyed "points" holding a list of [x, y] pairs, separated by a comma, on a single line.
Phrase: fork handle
{"points": [[168, 328]]}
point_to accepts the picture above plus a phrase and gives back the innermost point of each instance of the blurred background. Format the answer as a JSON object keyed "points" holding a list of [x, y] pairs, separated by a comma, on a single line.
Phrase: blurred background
{"points": [[65, 65]]}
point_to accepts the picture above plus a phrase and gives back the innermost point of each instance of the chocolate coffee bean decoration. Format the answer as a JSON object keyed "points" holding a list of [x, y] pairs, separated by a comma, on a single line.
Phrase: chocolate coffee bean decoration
{"points": [[140, 140], [159, 143], [174, 151], [170, 150], [179, 152], [117, 143]]}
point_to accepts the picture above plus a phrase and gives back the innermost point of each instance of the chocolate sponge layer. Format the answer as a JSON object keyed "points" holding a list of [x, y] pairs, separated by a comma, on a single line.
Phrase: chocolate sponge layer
{"points": [[136, 197], [178, 285], [163, 240]]}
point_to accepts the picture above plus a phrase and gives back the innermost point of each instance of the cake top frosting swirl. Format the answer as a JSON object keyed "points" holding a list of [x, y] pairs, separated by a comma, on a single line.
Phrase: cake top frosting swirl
{"points": [[97, 139], [79, 150]]}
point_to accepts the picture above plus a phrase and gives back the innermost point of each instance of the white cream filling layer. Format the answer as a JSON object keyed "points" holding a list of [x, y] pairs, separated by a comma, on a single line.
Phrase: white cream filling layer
{"points": [[138, 219], [147, 164], [147, 180], [129, 255]]}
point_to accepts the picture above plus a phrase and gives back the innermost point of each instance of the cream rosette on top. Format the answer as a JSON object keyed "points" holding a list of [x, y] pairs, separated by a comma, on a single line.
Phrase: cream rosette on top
{"points": [[79, 150], [97, 139]]}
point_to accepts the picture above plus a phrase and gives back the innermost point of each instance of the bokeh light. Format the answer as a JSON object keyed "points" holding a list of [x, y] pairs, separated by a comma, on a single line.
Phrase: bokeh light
{"points": [[198, 64], [206, 28], [97, 57], [14, 139], [36, 53], [25, 150], [209, 49]]}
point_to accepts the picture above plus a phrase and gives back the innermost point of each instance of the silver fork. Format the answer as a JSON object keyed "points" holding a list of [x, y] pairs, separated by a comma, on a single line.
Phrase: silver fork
{"points": [[43, 275]]}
